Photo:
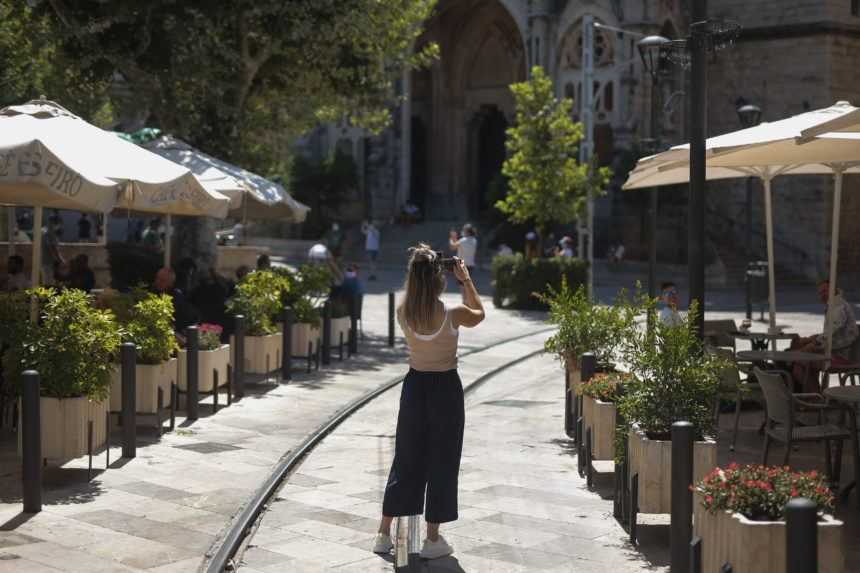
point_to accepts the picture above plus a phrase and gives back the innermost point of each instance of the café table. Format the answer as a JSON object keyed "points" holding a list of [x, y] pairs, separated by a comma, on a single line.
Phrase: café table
{"points": [[761, 340], [792, 356], [848, 396]]}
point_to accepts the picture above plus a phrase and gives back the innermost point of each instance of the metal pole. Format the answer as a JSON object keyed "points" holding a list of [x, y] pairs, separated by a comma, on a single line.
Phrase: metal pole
{"points": [[287, 346], [326, 334], [771, 261], [168, 240], [587, 366], [749, 220], [353, 325], [587, 145], [31, 442], [681, 528], [391, 319], [192, 358], [239, 353], [698, 119], [801, 536], [654, 193], [128, 361], [838, 172]]}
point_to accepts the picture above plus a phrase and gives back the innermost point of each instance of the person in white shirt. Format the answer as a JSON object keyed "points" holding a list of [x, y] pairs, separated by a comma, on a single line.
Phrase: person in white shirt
{"points": [[371, 245], [318, 253], [669, 305], [566, 249], [466, 246]]}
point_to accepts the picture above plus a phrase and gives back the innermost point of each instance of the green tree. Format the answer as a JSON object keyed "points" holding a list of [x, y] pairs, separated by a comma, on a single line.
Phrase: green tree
{"points": [[240, 78], [547, 182]]}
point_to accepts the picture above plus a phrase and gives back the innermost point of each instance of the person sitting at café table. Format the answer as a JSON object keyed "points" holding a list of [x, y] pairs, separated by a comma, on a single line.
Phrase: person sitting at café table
{"points": [[16, 279], [843, 325], [668, 304]]}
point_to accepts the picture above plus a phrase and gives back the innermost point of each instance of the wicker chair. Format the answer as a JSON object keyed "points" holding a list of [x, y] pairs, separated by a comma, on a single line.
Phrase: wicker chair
{"points": [[783, 424], [734, 388]]}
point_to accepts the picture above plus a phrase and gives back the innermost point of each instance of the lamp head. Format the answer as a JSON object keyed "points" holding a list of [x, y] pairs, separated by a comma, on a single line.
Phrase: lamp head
{"points": [[749, 115], [652, 49]]}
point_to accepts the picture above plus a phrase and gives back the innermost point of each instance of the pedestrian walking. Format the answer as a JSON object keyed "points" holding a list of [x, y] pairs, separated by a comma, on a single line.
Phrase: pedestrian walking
{"points": [[371, 245], [429, 437]]}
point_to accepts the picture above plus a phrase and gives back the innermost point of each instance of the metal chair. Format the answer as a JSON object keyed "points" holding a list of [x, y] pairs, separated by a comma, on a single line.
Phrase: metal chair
{"points": [[783, 409], [734, 388]]}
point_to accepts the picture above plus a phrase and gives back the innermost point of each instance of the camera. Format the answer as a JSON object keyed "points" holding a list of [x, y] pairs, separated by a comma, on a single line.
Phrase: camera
{"points": [[447, 263]]}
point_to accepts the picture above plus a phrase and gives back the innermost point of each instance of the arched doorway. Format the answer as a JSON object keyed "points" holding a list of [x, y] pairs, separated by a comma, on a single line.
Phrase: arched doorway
{"points": [[464, 101], [489, 139]]}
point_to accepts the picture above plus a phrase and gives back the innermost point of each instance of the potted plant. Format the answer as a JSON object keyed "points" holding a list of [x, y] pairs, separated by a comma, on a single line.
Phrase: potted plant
{"points": [[212, 356], [598, 411], [739, 514], [259, 298], [71, 347], [672, 379], [146, 320], [311, 285], [586, 326]]}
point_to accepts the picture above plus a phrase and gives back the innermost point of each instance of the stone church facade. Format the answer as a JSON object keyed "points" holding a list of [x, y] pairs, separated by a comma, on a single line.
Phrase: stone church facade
{"points": [[447, 140]]}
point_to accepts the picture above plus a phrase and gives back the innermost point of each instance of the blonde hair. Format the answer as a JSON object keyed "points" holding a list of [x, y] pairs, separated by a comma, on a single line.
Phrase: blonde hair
{"points": [[425, 282]]}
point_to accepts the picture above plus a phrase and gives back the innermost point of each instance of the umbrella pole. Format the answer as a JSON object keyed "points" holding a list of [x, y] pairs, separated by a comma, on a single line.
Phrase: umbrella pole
{"points": [[168, 241], [11, 223], [838, 171], [36, 257], [771, 278]]}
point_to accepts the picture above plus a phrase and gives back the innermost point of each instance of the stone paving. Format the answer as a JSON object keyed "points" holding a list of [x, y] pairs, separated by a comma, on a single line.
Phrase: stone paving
{"points": [[523, 507], [162, 510]]}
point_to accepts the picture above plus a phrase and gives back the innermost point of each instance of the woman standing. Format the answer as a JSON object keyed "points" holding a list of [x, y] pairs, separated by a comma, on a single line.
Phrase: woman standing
{"points": [[430, 423]]}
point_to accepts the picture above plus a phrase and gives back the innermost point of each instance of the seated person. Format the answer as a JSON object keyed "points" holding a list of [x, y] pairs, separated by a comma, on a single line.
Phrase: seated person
{"points": [[15, 277], [210, 297], [184, 313], [264, 263], [566, 248], [81, 276], [668, 304], [843, 326]]}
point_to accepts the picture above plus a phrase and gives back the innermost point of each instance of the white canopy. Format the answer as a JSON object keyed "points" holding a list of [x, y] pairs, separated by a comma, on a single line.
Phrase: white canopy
{"points": [[250, 194], [49, 157], [765, 151]]}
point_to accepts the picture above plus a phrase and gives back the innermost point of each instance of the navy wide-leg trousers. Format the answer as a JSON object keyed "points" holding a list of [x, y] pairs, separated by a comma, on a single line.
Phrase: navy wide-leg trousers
{"points": [[427, 447]]}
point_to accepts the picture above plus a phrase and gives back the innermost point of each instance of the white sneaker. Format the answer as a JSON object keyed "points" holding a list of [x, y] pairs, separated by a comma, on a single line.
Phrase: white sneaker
{"points": [[436, 549], [382, 544]]}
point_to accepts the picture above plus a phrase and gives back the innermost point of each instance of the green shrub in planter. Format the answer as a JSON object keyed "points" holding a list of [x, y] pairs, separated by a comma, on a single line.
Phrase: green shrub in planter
{"points": [[604, 386], [516, 279], [586, 326], [673, 379], [311, 284], [146, 319], [259, 298], [71, 347], [14, 317]]}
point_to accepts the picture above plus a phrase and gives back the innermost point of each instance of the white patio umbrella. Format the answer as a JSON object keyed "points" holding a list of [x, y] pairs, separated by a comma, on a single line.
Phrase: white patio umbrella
{"points": [[51, 158], [250, 194], [847, 123], [765, 151]]}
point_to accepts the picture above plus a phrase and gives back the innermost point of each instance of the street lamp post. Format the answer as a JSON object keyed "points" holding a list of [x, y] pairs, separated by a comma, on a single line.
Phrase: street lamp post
{"points": [[749, 116], [652, 50]]}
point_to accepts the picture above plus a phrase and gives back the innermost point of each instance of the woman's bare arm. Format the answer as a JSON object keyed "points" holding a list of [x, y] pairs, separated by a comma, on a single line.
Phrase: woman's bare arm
{"points": [[471, 313]]}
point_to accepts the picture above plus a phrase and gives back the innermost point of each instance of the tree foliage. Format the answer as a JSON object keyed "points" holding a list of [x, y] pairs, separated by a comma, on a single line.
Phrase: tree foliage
{"points": [[241, 78], [547, 182]]}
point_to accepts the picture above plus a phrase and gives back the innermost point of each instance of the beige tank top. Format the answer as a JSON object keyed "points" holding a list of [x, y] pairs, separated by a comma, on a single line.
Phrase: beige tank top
{"points": [[435, 352]]}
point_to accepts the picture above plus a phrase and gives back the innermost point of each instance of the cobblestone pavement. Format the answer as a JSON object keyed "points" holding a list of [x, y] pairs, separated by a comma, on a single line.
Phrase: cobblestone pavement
{"points": [[523, 507], [162, 510]]}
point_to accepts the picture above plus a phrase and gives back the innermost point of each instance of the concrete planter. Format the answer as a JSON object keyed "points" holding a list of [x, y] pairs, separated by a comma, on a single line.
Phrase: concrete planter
{"points": [[600, 417], [148, 379], [207, 362], [652, 460], [303, 333], [65, 427], [758, 546], [338, 326], [262, 353]]}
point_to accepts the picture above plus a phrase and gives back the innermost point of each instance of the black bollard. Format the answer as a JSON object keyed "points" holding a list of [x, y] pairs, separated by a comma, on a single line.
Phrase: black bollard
{"points": [[681, 529], [128, 361], [287, 346], [696, 555], [31, 442], [239, 352], [326, 334], [192, 355], [587, 366], [391, 319], [353, 326], [568, 404], [801, 536]]}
